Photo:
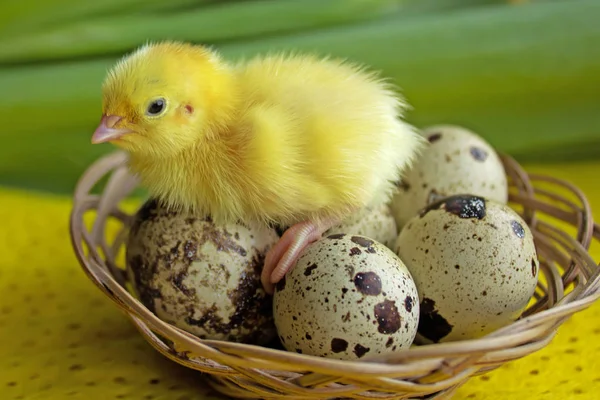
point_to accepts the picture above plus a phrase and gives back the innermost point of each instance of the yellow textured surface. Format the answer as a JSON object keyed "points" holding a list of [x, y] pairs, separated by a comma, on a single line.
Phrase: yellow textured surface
{"points": [[60, 338]]}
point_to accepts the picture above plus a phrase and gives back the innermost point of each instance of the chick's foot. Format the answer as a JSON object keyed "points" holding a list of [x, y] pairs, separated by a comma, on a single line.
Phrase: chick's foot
{"points": [[284, 255]]}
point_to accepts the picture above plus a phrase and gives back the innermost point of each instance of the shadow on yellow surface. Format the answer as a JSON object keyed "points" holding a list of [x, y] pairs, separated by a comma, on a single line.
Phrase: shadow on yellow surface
{"points": [[60, 338]]}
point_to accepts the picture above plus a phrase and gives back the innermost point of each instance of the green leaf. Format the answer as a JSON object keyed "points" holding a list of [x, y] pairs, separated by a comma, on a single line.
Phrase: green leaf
{"points": [[19, 16], [210, 24]]}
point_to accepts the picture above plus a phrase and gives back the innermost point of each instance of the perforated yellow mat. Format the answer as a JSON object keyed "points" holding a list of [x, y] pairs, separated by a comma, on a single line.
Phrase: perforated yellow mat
{"points": [[60, 338]]}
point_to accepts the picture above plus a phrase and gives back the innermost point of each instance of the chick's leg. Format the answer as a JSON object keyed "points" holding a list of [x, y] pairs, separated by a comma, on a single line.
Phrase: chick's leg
{"points": [[283, 256]]}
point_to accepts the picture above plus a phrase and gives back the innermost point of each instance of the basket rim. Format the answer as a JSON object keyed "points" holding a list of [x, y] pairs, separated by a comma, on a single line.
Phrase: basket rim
{"points": [[233, 356]]}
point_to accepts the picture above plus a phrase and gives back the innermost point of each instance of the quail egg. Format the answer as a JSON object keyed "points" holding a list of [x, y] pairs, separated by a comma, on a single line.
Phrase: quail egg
{"points": [[455, 161], [474, 263], [377, 223], [347, 297], [201, 277]]}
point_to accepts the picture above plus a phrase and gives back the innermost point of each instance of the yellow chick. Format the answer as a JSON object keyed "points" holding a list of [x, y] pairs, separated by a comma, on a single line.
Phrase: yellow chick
{"points": [[292, 140]]}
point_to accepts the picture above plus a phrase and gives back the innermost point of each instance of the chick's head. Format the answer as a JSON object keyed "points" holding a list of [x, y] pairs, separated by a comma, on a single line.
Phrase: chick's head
{"points": [[163, 98]]}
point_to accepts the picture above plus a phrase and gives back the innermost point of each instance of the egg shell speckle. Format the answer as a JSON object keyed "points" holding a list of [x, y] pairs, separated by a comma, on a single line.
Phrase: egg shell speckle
{"points": [[474, 263], [348, 297], [377, 223], [455, 161], [202, 278]]}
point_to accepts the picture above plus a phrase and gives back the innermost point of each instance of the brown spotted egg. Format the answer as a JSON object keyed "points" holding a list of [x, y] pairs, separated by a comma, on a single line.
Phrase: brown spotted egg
{"points": [[377, 223], [348, 297], [455, 160], [474, 263], [201, 277]]}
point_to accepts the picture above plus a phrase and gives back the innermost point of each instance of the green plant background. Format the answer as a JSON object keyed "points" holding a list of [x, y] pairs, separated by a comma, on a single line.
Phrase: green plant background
{"points": [[525, 75]]}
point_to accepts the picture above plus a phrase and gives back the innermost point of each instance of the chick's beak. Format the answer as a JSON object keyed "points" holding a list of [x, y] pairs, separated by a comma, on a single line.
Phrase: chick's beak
{"points": [[106, 131]]}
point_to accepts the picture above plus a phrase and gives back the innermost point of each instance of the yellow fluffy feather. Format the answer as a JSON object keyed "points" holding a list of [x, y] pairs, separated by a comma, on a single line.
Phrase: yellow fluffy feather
{"points": [[277, 139], [281, 138]]}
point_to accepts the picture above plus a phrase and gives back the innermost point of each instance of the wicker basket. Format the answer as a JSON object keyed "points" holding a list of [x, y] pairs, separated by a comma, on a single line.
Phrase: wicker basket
{"points": [[570, 283]]}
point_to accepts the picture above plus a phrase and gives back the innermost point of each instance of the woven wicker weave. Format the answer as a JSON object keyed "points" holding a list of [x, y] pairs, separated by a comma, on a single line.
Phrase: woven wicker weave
{"points": [[570, 283]]}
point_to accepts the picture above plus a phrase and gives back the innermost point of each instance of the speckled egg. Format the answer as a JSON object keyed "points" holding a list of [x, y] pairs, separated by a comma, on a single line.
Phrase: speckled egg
{"points": [[377, 223], [474, 263], [454, 161], [200, 277], [348, 297]]}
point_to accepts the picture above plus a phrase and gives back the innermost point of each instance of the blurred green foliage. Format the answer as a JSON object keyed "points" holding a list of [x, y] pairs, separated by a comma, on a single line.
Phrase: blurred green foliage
{"points": [[524, 76]]}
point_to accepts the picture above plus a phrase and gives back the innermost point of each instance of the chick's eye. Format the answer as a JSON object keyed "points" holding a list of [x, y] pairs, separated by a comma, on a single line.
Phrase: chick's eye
{"points": [[156, 107]]}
